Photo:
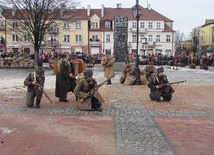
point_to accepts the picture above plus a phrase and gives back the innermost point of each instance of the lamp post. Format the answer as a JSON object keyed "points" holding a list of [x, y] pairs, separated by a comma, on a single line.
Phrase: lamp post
{"points": [[136, 12]]}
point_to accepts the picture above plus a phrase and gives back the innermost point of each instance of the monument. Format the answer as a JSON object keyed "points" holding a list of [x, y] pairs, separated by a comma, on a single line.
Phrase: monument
{"points": [[120, 41]]}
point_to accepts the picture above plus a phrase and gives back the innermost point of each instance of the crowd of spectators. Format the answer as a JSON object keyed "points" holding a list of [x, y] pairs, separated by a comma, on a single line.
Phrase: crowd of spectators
{"points": [[157, 59], [184, 60]]}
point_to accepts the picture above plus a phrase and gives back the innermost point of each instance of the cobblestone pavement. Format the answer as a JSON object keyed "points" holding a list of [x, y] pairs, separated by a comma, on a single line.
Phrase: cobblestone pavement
{"points": [[138, 126]]}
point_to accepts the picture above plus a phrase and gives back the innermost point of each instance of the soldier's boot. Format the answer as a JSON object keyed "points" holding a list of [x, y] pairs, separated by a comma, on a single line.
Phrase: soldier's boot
{"points": [[109, 81], [38, 103]]}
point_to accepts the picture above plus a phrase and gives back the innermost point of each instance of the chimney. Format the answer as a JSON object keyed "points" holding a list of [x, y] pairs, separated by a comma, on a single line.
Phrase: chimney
{"points": [[102, 10], [149, 7], [88, 10], [119, 5]]}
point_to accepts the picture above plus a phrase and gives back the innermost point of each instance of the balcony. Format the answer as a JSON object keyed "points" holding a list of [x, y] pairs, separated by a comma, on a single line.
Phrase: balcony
{"points": [[53, 42], [94, 42], [53, 30], [141, 30]]}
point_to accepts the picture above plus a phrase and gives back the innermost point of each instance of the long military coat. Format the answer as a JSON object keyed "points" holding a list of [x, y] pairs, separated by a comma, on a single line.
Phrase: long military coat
{"points": [[108, 65], [81, 92], [33, 91], [64, 83]]}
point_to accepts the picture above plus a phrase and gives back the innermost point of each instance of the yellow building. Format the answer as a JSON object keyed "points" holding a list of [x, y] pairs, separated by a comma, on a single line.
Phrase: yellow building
{"points": [[65, 35], [207, 37]]}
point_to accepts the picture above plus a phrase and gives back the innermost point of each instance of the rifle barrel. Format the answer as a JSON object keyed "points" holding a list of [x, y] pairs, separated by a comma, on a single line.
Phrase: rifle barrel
{"points": [[46, 95]]}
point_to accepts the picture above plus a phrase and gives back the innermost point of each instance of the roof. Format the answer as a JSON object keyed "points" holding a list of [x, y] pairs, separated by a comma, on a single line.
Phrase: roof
{"points": [[146, 14], [109, 14], [168, 29]]}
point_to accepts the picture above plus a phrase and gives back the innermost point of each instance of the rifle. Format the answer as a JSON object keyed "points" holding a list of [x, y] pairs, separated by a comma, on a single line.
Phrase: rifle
{"points": [[42, 89], [95, 89], [164, 84]]}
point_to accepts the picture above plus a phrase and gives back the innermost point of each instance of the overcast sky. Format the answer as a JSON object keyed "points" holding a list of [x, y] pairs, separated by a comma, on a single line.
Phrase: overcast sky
{"points": [[186, 14]]}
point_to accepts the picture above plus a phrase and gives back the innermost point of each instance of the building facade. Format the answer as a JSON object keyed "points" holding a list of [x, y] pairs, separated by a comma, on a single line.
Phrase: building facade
{"points": [[92, 32]]}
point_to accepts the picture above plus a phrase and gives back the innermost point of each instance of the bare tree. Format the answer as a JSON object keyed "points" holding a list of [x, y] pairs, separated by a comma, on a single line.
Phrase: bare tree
{"points": [[195, 40], [34, 17], [179, 37]]}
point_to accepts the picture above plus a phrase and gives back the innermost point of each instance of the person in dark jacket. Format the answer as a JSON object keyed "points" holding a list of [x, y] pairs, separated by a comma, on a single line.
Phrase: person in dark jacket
{"points": [[33, 89], [64, 77], [72, 80], [160, 87]]}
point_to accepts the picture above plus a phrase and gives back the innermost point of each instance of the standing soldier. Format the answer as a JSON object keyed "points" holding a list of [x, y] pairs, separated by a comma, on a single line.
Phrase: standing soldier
{"points": [[72, 80], [86, 100], [33, 82], [63, 77], [108, 65]]}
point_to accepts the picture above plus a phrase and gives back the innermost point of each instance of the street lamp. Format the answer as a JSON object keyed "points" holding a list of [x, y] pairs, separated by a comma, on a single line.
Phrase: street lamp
{"points": [[136, 13]]}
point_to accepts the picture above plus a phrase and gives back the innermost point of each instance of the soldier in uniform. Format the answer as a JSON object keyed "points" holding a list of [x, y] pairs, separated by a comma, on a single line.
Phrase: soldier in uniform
{"points": [[128, 70], [72, 80], [160, 87], [150, 71], [64, 77], [33, 89], [86, 100], [108, 66]]}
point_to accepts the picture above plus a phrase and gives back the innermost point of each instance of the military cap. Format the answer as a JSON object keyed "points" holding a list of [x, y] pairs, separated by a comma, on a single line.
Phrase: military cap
{"points": [[40, 71], [88, 73], [159, 70]]}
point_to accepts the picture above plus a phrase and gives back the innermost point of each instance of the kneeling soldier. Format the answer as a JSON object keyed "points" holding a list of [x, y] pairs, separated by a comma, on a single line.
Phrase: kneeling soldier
{"points": [[33, 82], [160, 87], [88, 97]]}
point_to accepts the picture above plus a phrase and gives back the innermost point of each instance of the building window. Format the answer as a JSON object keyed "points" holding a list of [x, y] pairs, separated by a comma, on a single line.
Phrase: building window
{"points": [[134, 24], [108, 36], [142, 25], [66, 38], [141, 37], [168, 38], [95, 37], [157, 38], [107, 24], [78, 25], [53, 27], [150, 25], [53, 38], [158, 25], [26, 38], [134, 38], [150, 38], [1, 25], [94, 25], [66, 25], [15, 24], [26, 25], [15, 38], [78, 38]]}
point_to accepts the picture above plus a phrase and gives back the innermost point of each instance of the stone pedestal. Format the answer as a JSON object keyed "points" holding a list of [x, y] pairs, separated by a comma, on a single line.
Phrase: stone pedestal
{"points": [[118, 66]]}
